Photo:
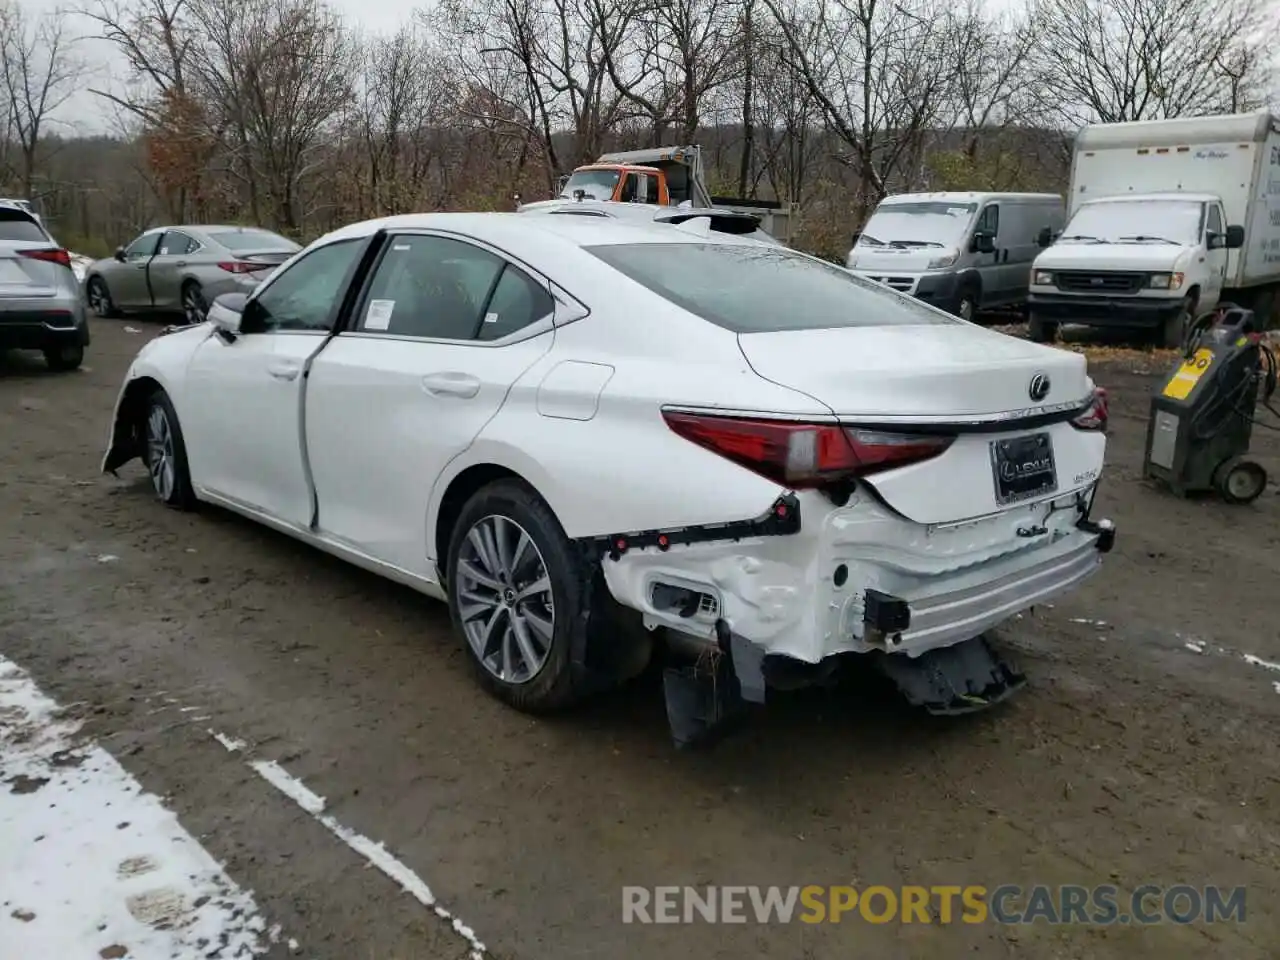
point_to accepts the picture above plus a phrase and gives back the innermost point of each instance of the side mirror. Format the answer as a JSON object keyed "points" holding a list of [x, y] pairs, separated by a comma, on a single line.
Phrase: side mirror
{"points": [[1044, 238], [1235, 237], [227, 315], [984, 243], [119, 254]]}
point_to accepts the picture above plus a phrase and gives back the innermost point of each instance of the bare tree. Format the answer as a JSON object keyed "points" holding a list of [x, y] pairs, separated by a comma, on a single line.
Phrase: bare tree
{"points": [[1118, 60], [40, 68]]}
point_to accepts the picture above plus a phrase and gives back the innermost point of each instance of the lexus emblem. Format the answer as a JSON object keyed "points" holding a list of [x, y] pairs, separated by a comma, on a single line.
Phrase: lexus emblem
{"points": [[1038, 389]]}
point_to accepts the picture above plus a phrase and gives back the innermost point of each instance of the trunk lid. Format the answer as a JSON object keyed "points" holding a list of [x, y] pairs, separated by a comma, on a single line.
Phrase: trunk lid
{"points": [[950, 370], [935, 374]]}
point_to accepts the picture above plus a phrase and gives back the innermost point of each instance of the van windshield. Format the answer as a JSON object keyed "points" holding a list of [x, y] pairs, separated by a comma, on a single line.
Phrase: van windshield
{"points": [[918, 223], [1135, 221]]}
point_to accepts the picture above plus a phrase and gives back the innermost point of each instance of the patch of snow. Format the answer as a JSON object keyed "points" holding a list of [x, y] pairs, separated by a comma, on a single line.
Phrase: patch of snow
{"points": [[1259, 662], [107, 558], [1276, 684], [132, 330], [1195, 646], [375, 853], [92, 865]]}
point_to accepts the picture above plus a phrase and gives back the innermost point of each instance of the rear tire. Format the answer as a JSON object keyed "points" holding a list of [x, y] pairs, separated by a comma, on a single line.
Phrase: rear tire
{"points": [[1174, 330], [164, 451], [520, 598], [194, 308], [99, 297], [1041, 331], [63, 358]]}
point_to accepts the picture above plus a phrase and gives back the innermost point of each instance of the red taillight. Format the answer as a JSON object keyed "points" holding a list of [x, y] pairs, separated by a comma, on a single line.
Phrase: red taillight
{"points": [[1094, 416], [50, 256], [803, 455], [240, 266]]}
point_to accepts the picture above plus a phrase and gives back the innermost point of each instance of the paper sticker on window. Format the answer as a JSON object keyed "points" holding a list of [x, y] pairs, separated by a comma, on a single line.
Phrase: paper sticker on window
{"points": [[401, 246], [378, 316], [490, 318]]}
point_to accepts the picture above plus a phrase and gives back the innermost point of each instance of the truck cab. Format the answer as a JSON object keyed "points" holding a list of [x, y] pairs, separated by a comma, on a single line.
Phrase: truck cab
{"points": [[1168, 218], [619, 183], [1136, 260]]}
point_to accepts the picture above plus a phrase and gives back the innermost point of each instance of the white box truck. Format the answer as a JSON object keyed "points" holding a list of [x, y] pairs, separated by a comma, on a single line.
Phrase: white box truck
{"points": [[1166, 219]]}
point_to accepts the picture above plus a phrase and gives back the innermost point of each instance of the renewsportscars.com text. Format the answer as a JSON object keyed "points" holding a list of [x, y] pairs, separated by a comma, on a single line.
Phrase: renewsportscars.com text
{"points": [[973, 904]]}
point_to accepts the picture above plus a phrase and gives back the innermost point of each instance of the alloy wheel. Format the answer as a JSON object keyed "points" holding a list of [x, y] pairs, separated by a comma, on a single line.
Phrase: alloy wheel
{"points": [[504, 599], [160, 458], [193, 305], [99, 302]]}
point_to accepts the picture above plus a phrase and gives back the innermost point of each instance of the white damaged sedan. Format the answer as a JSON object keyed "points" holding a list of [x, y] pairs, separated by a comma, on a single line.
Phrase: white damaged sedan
{"points": [[585, 434]]}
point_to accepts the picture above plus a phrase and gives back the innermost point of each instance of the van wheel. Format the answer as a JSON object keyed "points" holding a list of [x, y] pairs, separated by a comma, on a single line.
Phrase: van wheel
{"points": [[1041, 331], [1175, 328], [967, 305]]}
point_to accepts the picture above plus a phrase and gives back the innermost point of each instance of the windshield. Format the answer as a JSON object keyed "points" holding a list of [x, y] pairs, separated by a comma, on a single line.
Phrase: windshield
{"points": [[929, 223], [758, 289], [596, 184], [1138, 221], [253, 240]]}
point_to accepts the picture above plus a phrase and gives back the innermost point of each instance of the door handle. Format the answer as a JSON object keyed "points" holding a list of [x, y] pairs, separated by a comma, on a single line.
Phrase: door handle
{"points": [[180, 263], [461, 385], [283, 371]]}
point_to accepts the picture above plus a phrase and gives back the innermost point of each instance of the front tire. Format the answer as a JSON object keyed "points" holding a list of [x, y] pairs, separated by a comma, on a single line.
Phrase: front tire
{"points": [[99, 298], [165, 453], [519, 596], [1174, 330], [967, 305], [1041, 331], [64, 358]]}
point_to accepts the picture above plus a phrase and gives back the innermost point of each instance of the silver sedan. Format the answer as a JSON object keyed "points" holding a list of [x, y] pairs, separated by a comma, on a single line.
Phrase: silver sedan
{"points": [[184, 269]]}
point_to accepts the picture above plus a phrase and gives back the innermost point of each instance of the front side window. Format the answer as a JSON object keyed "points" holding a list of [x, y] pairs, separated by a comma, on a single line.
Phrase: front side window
{"points": [[989, 222], [755, 289], [144, 248], [1215, 219], [305, 296]]}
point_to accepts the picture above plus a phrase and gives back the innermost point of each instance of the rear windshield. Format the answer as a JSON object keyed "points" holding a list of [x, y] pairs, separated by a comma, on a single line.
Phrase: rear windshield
{"points": [[751, 289], [17, 226], [253, 240]]}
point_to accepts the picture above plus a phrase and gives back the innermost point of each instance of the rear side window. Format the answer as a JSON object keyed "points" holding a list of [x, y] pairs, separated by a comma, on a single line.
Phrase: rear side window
{"points": [[753, 289], [17, 226]]}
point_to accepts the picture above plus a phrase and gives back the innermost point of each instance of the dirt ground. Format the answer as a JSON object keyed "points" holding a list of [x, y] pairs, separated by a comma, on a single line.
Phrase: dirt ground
{"points": [[1129, 759]]}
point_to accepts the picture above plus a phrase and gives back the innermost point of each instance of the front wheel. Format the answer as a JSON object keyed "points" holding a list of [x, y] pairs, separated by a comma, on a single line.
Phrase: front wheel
{"points": [[165, 453], [99, 298], [518, 594], [1174, 330], [1041, 331], [967, 305]]}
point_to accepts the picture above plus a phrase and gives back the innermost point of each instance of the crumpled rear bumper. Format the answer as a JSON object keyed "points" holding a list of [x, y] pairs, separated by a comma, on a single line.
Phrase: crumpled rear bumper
{"points": [[804, 596]]}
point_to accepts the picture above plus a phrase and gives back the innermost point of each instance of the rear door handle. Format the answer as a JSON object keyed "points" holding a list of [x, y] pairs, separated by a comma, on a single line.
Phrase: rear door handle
{"points": [[461, 385], [283, 371]]}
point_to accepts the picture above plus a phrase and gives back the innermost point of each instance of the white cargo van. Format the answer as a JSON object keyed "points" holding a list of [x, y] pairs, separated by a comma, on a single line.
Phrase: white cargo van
{"points": [[958, 251], [1168, 217]]}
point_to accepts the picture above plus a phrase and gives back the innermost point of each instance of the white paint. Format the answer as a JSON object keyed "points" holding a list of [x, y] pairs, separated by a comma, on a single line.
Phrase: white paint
{"points": [[92, 860], [1259, 662], [608, 462], [375, 853]]}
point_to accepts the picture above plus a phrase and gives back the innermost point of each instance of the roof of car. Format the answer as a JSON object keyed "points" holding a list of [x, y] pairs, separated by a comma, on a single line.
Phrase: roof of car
{"points": [[495, 227]]}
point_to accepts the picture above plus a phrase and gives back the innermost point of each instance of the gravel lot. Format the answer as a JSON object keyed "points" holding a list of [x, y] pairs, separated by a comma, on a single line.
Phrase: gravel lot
{"points": [[1131, 758]]}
